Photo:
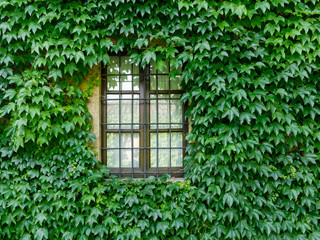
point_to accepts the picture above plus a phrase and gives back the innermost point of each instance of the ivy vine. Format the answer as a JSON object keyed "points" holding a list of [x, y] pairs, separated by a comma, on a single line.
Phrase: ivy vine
{"points": [[252, 80]]}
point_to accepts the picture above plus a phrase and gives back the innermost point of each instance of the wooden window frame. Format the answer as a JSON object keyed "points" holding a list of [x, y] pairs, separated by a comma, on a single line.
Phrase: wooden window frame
{"points": [[144, 129]]}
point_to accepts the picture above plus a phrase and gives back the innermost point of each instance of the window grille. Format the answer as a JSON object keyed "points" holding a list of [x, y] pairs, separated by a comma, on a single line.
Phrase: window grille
{"points": [[143, 124]]}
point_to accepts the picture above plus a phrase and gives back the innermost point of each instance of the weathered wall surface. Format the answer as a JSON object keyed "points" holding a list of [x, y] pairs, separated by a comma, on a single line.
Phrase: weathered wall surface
{"points": [[94, 105]]}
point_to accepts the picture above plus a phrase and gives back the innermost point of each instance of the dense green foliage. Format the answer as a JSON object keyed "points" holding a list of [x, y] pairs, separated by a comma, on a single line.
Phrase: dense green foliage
{"points": [[252, 77]]}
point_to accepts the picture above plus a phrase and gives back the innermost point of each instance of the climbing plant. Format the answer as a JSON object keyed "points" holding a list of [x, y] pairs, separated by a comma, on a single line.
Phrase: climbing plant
{"points": [[251, 71]]}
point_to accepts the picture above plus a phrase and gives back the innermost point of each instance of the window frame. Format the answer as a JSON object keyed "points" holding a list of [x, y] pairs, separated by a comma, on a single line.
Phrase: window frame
{"points": [[144, 170]]}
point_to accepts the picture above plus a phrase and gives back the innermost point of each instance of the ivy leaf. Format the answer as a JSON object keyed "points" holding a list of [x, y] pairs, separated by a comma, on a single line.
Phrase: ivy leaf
{"points": [[106, 43], [134, 233], [163, 227], [79, 55], [55, 74], [26, 236], [178, 223], [41, 233], [227, 198], [141, 42], [240, 10], [40, 217], [148, 55], [264, 5], [231, 113], [9, 94]]}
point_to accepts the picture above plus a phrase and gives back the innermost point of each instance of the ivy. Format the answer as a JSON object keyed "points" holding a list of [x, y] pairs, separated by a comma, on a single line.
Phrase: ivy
{"points": [[251, 75]]}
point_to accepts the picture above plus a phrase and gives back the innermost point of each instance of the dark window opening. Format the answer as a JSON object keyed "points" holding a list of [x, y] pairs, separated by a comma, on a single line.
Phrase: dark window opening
{"points": [[143, 124]]}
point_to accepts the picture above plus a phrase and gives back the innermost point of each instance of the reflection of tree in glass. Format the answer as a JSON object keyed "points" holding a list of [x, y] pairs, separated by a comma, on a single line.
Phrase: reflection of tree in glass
{"points": [[126, 154], [164, 154], [126, 111], [164, 114]]}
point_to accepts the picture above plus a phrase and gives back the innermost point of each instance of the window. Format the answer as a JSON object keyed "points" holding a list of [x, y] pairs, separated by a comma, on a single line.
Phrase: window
{"points": [[143, 124]]}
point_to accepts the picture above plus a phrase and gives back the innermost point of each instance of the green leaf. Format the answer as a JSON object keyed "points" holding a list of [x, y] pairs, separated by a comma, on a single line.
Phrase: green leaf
{"points": [[227, 198], [141, 42], [162, 227], [40, 217], [231, 113], [26, 236], [148, 55], [41, 233], [9, 94], [55, 74]]}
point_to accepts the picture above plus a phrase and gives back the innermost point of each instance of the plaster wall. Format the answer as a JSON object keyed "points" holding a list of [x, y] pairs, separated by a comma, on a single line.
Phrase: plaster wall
{"points": [[94, 104]]}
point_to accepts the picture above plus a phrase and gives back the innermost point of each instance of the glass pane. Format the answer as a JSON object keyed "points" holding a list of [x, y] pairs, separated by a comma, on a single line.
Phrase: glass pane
{"points": [[163, 82], [135, 82], [126, 154], [113, 110], [127, 115], [176, 139], [175, 83], [113, 66], [113, 155], [136, 113], [113, 158], [126, 111], [112, 83], [153, 67], [176, 154], [162, 115], [176, 111], [153, 83], [126, 83], [126, 67], [176, 157], [112, 140], [164, 154]]}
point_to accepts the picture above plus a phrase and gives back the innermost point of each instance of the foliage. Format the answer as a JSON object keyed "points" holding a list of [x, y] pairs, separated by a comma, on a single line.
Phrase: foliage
{"points": [[251, 74]]}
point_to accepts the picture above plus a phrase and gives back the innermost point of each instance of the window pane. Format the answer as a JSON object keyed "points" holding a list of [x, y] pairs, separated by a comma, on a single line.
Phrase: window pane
{"points": [[113, 155], [126, 83], [176, 111], [175, 83], [163, 82], [135, 82], [126, 154], [176, 157], [127, 67], [153, 83], [163, 156], [153, 67], [162, 113], [113, 110], [127, 105], [113, 66], [176, 154], [112, 83], [113, 158]]}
